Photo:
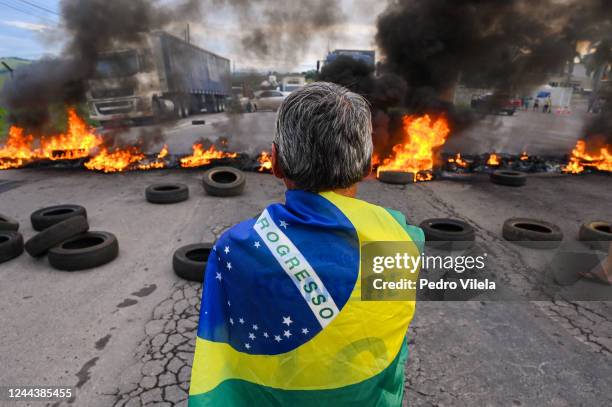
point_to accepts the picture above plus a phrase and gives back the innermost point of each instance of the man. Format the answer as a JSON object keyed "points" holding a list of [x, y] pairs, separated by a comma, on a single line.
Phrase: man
{"points": [[281, 320]]}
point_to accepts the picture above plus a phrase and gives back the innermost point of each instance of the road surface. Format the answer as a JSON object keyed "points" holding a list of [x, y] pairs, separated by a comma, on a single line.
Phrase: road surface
{"points": [[123, 333]]}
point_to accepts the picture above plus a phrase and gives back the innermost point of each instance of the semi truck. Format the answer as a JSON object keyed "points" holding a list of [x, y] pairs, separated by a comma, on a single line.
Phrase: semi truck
{"points": [[163, 77]]}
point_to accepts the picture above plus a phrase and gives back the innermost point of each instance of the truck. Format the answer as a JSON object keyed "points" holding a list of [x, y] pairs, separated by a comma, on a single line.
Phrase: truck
{"points": [[163, 77]]}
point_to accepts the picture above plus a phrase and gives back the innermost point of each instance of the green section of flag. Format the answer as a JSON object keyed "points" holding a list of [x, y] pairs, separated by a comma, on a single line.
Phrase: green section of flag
{"points": [[386, 389], [415, 233]]}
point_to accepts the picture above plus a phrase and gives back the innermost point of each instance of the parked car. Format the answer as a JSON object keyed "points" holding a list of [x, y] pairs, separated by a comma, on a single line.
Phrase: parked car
{"points": [[266, 100], [492, 103]]}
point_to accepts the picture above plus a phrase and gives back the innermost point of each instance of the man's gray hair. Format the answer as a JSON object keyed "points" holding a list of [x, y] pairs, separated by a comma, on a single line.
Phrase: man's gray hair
{"points": [[324, 137]]}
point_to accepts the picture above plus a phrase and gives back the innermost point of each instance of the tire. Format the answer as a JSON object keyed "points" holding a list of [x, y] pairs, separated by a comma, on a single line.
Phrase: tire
{"points": [[167, 193], [533, 233], [448, 234], [189, 262], [509, 178], [56, 234], [45, 217], [85, 251], [597, 234], [8, 223], [396, 177], [11, 245], [224, 181]]}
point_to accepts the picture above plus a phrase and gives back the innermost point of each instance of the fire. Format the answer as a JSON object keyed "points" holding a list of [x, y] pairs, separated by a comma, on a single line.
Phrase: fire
{"points": [[524, 156], [114, 161], [202, 157], [158, 163], [493, 160], [581, 159], [422, 136], [77, 142], [457, 160], [265, 162]]}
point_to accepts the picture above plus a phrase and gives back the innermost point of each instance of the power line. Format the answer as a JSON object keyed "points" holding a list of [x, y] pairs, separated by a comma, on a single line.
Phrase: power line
{"points": [[40, 7], [27, 13]]}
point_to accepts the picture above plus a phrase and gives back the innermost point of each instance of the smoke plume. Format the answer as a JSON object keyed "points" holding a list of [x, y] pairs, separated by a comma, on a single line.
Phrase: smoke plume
{"points": [[92, 27]]}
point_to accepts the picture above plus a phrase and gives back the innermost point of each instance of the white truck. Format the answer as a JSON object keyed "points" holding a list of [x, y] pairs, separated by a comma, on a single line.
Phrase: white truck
{"points": [[166, 76]]}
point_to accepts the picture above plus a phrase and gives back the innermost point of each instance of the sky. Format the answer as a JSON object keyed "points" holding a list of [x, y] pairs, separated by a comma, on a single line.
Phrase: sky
{"points": [[32, 29]]}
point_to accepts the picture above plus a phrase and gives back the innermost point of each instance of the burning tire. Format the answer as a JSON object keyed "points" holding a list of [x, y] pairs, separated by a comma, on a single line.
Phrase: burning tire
{"points": [[11, 245], [85, 251], [43, 218], [509, 178], [189, 262], [8, 223], [537, 234], [56, 234], [224, 181], [396, 177], [447, 233], [597, 234], [167, 193]]}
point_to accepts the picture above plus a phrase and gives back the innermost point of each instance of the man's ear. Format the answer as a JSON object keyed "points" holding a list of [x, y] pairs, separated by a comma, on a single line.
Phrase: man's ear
{"points": [[276, 168]]}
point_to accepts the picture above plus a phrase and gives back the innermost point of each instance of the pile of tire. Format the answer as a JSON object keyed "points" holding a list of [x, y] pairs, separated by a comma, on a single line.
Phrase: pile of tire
{"points": [[64, 236]]}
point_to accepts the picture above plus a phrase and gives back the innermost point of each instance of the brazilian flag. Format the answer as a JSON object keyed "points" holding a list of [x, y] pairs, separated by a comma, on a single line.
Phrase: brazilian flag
{"points": [[281, 319]]}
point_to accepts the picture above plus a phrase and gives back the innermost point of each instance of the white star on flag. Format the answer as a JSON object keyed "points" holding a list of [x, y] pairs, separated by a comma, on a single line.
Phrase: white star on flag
{"points": [[241, 321], [231, 321], [287, 320], [277, 338], [214, 248], [265, 334], [255, 327], [226, 249], [287, 333], [283, 224], [251, 335], [229, 304], [246, 345], [257, 245], [304, 331], [218, 277], [229, 265]]}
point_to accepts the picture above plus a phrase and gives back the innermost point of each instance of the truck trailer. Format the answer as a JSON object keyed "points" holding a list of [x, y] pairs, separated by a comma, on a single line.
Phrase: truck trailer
{"points": [[164, 77]]}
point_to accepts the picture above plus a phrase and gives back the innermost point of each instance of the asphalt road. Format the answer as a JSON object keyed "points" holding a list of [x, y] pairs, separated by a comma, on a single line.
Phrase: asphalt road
{"points": [[123, 333]]}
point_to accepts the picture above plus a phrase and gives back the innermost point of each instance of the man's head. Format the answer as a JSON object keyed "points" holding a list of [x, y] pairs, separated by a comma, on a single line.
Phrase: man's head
{"points": [[323, 138]]}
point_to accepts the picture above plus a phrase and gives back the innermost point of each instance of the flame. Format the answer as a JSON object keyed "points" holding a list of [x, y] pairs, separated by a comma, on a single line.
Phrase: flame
{"points": [[114, 161], [422, 136], [524, 156], [158, 163], [457, 160], [265, 162], [493, 160], [202, 157], [76, 143], [581, 159]]}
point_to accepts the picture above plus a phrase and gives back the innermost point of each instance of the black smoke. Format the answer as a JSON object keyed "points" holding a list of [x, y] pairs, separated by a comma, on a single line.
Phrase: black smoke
{"points": [[91, 27], [281, 32]]}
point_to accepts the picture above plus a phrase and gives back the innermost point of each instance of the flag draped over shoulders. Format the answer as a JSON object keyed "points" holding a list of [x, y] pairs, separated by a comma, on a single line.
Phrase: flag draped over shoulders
{"points": [[281, 320]]}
